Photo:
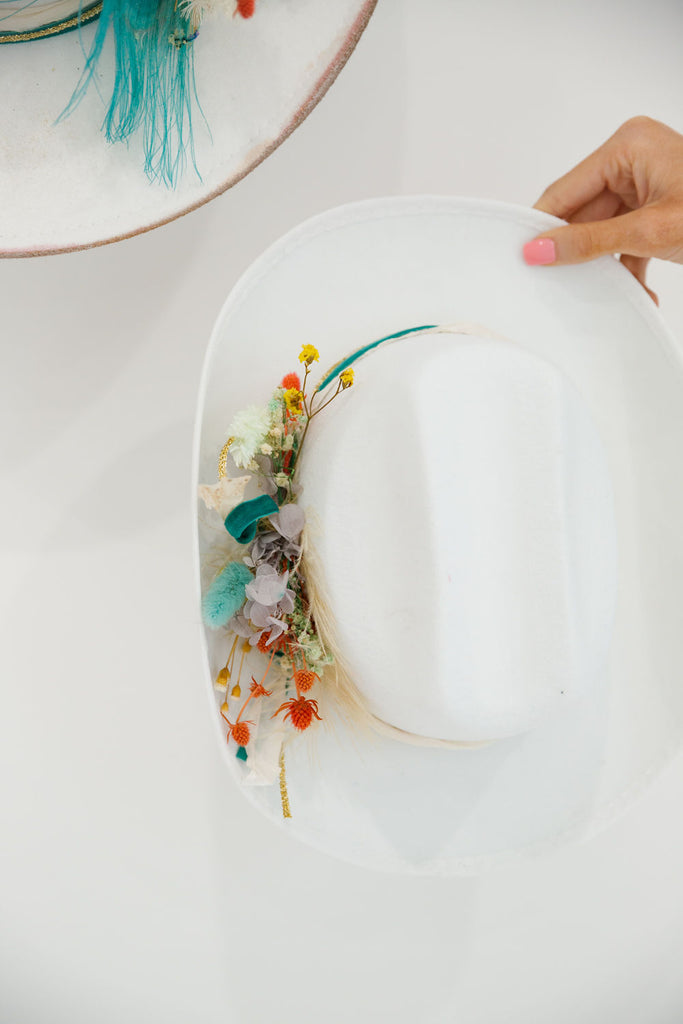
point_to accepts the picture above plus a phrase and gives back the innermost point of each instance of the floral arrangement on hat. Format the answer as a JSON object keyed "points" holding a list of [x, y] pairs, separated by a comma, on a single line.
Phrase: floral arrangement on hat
{"points": [[260, 596]]}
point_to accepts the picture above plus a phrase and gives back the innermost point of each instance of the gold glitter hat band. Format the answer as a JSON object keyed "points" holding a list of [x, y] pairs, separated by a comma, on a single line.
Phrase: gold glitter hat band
{"points": [[55, 28]]}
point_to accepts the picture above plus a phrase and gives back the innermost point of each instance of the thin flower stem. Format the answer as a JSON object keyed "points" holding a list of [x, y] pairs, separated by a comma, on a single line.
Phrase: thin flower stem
{"points": [[292, 662], [231, 657], [239, 674], [303, 389], [295, 459], [313, 412], [325, 404], [268, 667], [242, 709]]}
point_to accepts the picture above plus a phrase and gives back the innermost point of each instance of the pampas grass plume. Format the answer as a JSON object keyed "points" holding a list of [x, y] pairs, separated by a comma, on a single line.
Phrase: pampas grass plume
{"points": [[226, 594]]}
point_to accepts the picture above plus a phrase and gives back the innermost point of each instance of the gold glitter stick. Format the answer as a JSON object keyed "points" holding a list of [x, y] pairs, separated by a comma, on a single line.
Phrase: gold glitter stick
{"points": [[286, 813]]}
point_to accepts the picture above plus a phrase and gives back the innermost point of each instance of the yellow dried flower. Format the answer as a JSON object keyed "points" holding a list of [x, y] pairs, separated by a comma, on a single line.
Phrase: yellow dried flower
{"points": [[293, 399], [222, 679], [346, 378], [309, 354]]}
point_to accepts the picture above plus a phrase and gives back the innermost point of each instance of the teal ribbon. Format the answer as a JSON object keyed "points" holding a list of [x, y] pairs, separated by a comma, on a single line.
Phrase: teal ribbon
{"points": [[241, 522], [349, 360]]}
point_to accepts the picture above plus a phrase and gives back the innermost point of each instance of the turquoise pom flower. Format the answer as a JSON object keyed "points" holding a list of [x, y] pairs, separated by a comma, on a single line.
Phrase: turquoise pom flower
{"points": [[226, 595]]}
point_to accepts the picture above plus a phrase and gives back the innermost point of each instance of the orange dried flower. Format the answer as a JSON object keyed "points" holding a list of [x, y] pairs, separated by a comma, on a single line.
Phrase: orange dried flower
{"points": [[304, 679], [262, 644], [266, 647], [291, 380], [300, 711], [240, 733], [258, 689]]}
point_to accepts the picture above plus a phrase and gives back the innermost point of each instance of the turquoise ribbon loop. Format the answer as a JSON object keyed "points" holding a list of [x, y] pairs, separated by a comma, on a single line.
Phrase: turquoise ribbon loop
{"points": [[241, 522]]}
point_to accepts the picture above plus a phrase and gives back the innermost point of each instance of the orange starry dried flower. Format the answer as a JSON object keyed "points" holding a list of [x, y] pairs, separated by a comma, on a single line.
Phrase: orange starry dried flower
{"points": [[262, 644], [304, 679], [300, 712], [258, 689], [240, 733]]}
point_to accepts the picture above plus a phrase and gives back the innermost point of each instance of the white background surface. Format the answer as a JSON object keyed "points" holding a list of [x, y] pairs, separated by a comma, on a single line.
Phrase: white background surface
{"points": [[136, 884]]}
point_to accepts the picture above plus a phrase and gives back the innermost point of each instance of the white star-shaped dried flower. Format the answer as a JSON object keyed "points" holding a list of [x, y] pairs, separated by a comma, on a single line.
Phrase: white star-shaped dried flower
{"points": [[225, 495]]}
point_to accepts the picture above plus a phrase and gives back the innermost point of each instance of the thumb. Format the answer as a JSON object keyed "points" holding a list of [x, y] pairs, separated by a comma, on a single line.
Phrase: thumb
{"points": [[577, 243]]}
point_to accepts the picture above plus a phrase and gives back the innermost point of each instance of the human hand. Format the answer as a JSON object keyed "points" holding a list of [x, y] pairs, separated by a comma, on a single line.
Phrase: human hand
{"points": [[626, 197]]}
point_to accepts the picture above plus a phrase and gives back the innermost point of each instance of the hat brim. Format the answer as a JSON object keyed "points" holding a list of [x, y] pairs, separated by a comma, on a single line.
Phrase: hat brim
{"points": [[360, 272], [257, 80]]}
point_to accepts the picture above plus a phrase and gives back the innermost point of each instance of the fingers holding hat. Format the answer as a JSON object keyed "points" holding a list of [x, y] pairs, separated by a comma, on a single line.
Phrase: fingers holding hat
{"points": [[625, 198], [599, 199], [609, 178], [631, 233]]}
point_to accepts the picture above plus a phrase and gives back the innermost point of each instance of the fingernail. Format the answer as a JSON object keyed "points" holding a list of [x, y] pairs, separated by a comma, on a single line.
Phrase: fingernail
{"points": [[539, 252]]}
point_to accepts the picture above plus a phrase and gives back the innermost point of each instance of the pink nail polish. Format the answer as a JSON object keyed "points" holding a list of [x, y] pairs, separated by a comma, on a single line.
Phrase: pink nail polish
{"points": [[539, 252]]}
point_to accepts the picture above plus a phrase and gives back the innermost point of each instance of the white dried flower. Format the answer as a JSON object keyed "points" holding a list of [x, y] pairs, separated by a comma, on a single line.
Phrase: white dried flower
{"points": [[248, 431], [225, 495], [198, 9]]}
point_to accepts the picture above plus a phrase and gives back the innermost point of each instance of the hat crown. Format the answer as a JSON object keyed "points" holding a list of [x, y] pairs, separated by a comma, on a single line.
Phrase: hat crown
{"points": [[462, 513]]}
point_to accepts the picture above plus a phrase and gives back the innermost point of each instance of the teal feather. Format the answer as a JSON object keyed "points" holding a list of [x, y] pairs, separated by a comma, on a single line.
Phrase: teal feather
{"points": [[154, 88], [350, 360], [226, 594]]}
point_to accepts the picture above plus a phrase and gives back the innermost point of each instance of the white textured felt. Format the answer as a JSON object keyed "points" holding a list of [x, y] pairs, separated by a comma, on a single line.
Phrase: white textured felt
{"points": [[466, 530]]}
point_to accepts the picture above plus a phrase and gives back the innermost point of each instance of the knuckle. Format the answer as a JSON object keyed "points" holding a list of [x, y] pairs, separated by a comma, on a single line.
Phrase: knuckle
{"points": [[656, 229], [585, 241], [638, 125]]}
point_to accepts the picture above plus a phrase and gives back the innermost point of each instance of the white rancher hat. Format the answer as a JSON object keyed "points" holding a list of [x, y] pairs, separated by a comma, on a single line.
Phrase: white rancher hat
{"points": [[492, 546]]}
